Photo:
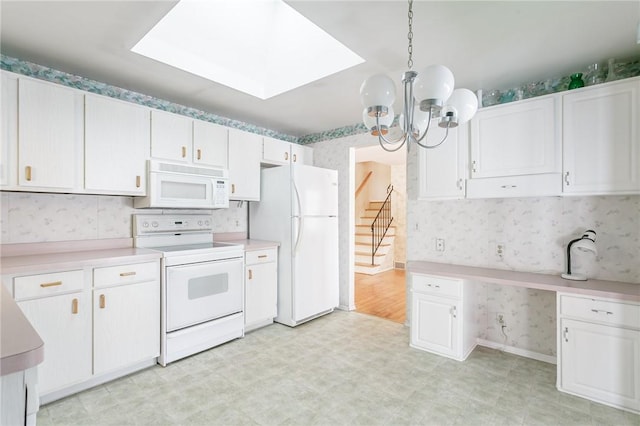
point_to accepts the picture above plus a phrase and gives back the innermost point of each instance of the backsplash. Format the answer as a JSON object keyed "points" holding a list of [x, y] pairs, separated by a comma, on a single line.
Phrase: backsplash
{"points": [[535, 232], [27, 217]]}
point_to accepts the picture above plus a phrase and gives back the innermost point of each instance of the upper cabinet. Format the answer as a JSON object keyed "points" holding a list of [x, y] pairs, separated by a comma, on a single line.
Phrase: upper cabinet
{"points": [[281, 153], [182, 139], [601, 150], [171, 136], [116, 146], [517, 148], [245, 153], [49, 136], [9, 129], [210, 144], [443, 170]]}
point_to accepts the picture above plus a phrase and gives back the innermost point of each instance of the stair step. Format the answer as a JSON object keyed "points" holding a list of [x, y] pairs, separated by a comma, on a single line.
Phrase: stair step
{"points": [[367, 264], [369, 226], [368, 244], [368, 253]]}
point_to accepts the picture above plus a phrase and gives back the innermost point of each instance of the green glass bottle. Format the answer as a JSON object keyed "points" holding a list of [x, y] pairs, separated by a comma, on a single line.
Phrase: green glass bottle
{"points": [[576, 81]]}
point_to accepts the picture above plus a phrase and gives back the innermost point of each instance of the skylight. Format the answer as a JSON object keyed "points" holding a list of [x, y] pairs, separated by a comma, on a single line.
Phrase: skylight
{"points": [[260, 47]]}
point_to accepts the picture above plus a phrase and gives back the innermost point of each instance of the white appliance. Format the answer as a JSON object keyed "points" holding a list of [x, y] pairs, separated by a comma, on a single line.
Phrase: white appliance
{"points": [[171, 185], [202, 293], [299, 208]]}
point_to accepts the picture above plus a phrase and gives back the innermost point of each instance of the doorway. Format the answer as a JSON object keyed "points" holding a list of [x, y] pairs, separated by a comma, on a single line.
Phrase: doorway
{"points": [[379, 277]]}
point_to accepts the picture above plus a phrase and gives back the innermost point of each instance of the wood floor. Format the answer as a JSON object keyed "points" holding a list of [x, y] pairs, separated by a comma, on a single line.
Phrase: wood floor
{"points": [[382, 295]]}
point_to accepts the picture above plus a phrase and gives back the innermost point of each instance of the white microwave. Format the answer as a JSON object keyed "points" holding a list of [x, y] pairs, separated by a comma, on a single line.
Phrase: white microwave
{"points": [[171, 185]]}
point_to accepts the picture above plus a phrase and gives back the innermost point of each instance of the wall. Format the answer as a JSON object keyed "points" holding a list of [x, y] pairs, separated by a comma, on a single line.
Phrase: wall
{"points": [[535, 232], [36, 217]]}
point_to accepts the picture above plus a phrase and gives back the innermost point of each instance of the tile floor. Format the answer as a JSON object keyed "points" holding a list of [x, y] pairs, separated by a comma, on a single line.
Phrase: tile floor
{"points": [[345, 368]]}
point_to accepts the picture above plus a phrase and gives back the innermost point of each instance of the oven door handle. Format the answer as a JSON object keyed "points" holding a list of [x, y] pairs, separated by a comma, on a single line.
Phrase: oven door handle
{"points": [[298, 216]]}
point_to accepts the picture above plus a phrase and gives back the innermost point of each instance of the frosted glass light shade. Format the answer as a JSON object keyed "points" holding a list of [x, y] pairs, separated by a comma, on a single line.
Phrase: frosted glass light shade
{"points": [[434, 82], [465, 103], [378, 90], [420, 121], [385, 122]]}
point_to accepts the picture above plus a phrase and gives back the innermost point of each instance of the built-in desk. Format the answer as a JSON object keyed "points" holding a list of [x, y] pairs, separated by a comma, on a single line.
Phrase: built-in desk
{"points": [[597, 332]]}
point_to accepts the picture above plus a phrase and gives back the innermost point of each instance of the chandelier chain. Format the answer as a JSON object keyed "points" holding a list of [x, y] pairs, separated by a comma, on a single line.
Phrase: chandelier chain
{"points": [[410, 35]]}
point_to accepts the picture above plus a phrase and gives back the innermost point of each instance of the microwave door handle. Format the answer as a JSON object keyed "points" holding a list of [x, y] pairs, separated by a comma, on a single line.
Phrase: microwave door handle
{"points": [[298, 216]]}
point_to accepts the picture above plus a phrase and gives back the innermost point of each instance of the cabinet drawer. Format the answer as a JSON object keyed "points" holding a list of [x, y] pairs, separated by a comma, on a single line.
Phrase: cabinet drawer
{"points": [[261, 256], [547, 184], [47, 284], [123, 274], [436, 285], [596, 310]]}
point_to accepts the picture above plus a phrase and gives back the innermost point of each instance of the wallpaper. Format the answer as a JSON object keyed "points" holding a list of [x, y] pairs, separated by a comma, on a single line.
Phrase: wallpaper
{"points": [[534, 232], [29, 217]]}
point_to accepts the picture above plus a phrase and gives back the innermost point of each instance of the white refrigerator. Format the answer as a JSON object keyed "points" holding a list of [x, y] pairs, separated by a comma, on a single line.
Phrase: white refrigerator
{"points": [[298, 208]]}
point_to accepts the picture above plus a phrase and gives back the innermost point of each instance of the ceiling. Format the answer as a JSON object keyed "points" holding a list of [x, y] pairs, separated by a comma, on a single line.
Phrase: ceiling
{"points": [[487, 44]]}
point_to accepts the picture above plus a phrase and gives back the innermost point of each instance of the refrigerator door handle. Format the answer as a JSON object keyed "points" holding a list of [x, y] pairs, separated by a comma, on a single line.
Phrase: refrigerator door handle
{"points": [[298, 216]]}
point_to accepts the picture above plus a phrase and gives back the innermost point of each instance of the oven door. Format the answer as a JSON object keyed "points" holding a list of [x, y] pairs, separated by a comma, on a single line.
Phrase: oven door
{"points": [[204, 291]]}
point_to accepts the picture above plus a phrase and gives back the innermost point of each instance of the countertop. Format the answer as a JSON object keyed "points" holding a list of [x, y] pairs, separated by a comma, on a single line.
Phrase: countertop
{"points": [[599, 288], [252, 245], [20, 345]]}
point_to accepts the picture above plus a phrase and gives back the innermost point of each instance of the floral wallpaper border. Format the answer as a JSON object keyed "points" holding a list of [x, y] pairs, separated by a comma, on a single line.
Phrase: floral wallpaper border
{"points": [[40, 72]]}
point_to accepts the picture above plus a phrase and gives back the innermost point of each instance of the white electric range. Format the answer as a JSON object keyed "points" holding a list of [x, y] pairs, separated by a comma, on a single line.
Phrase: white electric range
{"points": [[202, 293]]}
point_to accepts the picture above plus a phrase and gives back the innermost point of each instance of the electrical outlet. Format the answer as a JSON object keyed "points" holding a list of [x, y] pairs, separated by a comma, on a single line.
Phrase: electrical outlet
{"points": [[500, 249], [439, 244], [500, 319]]}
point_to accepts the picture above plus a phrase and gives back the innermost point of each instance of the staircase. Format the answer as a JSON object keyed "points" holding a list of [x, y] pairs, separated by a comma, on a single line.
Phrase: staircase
{"points": [[383, 259]]}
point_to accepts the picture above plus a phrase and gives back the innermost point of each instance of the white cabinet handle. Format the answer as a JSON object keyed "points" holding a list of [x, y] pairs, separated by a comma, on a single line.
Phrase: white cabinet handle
{"points": [[600, 311], [459, 184], [473, 168], [250, 274], [508, 186], [565, 333], [453, 312], [566, 178]]}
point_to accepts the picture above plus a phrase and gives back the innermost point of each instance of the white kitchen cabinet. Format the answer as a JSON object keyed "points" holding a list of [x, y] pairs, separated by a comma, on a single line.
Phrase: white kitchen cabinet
{"points": [[50, 135], [442, 318], [601, 143], [245, 153], [210, 144], [171, 136], [59, 309], [516, 139], [599, 350], [19, 403], [117, 142], [280, 153], [261, 288], [443, 170], [126, 315], [9, 129]]}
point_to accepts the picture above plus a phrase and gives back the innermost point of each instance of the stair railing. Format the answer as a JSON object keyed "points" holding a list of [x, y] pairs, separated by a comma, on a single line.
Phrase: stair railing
{"points": [[381, 224]]}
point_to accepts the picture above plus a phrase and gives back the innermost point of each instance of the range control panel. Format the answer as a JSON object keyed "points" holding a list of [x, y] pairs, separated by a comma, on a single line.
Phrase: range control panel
{"points": [[150, 224]]}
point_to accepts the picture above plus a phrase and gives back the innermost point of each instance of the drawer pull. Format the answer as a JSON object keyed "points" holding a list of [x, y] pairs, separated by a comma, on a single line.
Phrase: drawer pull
{"points": [[600, 311], [103, 301], [262, 256], [53, 284], [74, 306], [127, 274], [508, 186], [250, 274]]}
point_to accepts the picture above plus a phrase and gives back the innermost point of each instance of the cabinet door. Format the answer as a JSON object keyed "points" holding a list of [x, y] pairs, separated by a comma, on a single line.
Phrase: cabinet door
{"points": [[442, 171], [64, 324], [275, 151], [301, 154], [601, 141], [116, 146], [171, 136], [601, 362], [210, 144], [520, 138], [434, 326], [126, 325], [49, 135], [261, 293], [245, 152], [9, 129]]}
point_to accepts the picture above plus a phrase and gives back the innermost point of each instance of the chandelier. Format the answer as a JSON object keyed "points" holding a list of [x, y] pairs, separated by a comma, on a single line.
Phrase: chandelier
{"points": [[430, 90]]}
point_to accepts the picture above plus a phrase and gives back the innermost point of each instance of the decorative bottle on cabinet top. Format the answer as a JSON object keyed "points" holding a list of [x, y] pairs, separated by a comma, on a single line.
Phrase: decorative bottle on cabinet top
{"points": [[576, 81]]}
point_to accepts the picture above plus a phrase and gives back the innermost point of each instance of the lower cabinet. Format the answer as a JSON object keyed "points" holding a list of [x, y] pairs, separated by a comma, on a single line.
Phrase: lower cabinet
{"points": [[599, 350], [442, 316], [261, 288], [116, 342], [84, 342]]}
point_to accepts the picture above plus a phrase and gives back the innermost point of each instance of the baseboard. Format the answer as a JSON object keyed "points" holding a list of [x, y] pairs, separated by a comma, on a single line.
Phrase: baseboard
{"points": [[347, 308], [399, 265], [518, 351]]}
